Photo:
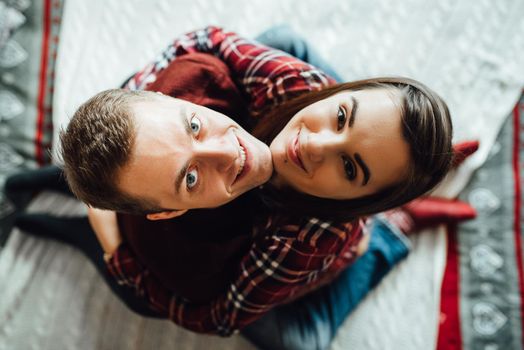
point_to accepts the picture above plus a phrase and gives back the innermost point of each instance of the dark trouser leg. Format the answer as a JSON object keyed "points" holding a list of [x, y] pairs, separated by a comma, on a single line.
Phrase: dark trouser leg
{"points": [[22, 186], [74, 231], [78, 233]]}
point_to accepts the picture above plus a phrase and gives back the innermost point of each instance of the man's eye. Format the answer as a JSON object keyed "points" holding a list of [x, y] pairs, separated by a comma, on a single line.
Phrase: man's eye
{"points": [[195, 123], [341, 118], [191, 178], [349, 168]]}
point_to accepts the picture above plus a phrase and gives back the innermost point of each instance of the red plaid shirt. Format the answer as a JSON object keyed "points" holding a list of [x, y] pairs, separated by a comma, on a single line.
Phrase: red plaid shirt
{"points": [[283, 262]]}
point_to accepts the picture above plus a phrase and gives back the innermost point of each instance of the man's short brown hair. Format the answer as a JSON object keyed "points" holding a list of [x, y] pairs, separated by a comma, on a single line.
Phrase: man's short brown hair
{"points": [[97, 144]]}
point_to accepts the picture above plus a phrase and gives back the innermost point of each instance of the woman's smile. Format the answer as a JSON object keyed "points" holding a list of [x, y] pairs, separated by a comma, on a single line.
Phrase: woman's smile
{"points": [[294, 152]]}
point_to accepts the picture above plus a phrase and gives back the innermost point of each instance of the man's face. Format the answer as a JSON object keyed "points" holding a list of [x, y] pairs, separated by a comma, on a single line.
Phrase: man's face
{"points": [[346, 146], [187, 156]]}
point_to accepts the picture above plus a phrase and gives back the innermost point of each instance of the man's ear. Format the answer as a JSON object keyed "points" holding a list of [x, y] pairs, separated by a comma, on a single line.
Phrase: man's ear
{"points": [[164, 215]]}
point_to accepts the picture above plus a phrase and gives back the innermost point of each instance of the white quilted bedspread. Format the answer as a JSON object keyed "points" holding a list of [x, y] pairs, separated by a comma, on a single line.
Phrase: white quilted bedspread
{"points": [[471, 52]]}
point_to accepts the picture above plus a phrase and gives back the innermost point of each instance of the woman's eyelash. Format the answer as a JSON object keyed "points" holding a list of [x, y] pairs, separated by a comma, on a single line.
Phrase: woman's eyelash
{"points": [[350, 169], [341, 117]]}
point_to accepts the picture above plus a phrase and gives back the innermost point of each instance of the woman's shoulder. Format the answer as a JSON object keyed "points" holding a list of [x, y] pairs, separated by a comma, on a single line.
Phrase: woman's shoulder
{"points": [[313, 232]]}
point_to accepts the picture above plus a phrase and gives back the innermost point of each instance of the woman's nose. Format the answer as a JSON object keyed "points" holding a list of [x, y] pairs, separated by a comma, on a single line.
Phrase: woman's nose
{"points": [[320, 145]]}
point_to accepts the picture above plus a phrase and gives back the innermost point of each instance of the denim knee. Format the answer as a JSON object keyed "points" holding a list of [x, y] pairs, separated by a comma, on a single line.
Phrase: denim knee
{"points": [[284, 38], [289, 327]]}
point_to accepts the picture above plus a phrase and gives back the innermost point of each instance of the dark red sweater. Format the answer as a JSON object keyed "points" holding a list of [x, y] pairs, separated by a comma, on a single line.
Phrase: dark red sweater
{"points": [[196, 254]]}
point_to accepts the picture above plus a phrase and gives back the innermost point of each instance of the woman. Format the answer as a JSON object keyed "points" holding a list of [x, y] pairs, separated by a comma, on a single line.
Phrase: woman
{"points": [[389, 196]]}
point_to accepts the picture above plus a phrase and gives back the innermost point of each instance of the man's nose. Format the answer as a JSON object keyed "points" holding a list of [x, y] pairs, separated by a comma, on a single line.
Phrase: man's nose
{"points": [[220, 152]]}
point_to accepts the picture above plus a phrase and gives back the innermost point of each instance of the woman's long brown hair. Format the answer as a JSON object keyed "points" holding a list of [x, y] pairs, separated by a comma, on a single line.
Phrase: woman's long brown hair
{"points": [[426, 126]]}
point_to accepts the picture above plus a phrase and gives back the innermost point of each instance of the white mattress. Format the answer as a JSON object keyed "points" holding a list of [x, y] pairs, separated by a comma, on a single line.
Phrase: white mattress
{"points": [[471, 52]]}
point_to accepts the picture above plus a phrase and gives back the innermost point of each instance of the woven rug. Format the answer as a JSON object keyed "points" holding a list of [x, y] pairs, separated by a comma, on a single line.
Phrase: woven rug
{"points": [[482, 294], [28, 48]]}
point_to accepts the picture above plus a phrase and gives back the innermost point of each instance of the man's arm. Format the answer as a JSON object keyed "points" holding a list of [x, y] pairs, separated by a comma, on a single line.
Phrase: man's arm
{"points": [[267, 76], [277, 267]]}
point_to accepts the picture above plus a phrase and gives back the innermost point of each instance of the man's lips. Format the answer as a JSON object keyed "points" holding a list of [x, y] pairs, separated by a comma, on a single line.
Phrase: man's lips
{"points": [[293, 152], [242, 170]]}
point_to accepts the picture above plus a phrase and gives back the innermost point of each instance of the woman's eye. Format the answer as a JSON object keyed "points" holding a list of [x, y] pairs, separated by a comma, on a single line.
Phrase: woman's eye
{"points": [[194, 123], [349, 168], [191, 178], [341, 118]]}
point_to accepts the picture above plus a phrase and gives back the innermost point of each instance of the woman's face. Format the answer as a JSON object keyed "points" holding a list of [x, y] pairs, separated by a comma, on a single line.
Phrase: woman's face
{"points": [[346, 146]]}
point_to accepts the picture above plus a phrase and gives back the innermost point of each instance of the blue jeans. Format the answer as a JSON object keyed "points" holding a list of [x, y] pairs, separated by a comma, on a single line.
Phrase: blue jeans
{"points": [[312, 321], [282, 37]]}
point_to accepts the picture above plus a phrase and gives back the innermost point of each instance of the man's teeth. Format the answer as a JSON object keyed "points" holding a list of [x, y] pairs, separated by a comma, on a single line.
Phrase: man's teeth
{"points": [[242, 160]]}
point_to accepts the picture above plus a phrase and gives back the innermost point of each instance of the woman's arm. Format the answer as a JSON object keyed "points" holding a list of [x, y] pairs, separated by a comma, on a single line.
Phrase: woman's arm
{"points": [[267, 76], [104, 223], [277, 268]]}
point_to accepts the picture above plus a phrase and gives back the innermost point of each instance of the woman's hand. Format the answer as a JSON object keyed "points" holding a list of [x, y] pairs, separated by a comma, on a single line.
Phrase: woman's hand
{"points": [[105, 225], [363, 245]]}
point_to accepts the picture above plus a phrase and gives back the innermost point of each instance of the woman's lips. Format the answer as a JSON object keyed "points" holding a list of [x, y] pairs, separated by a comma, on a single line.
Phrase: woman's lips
{"points": [[293, 152], [247, 162]]}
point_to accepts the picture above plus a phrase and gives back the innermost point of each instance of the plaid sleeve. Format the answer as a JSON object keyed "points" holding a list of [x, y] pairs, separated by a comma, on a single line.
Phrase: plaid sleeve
{"points": [[276, 268], [267, 76]]}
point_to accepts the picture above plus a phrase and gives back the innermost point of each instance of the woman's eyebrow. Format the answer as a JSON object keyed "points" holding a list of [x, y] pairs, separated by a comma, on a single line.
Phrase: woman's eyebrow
{"points": [[358, 158], [353, 113], [364, 167]]}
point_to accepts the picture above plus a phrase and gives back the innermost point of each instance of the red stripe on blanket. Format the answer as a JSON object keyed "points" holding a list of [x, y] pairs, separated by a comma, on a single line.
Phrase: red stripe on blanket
{"points": [[449, 335], [42, 87], [517, 208]]}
